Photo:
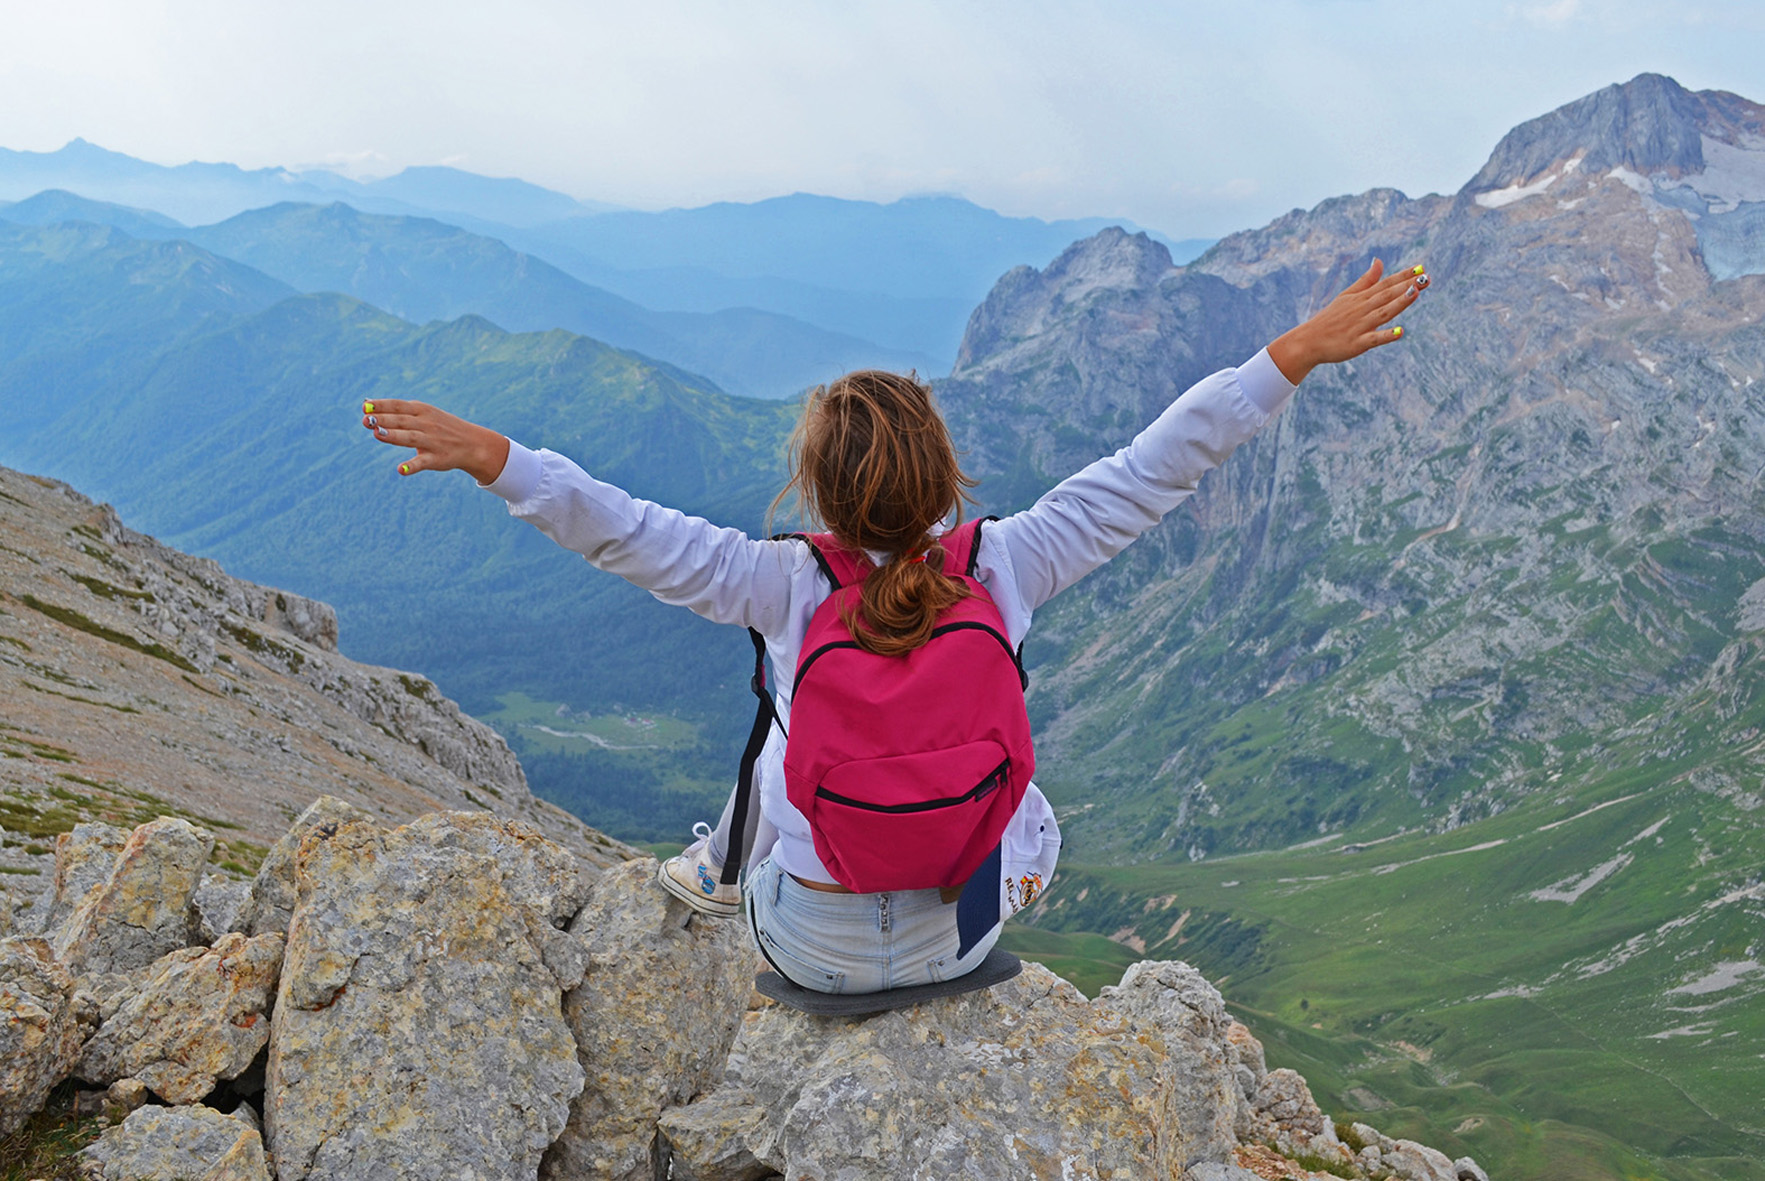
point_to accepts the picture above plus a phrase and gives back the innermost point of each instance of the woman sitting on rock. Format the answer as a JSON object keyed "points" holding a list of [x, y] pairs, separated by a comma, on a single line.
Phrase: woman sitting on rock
{"points": [[873, 462]]}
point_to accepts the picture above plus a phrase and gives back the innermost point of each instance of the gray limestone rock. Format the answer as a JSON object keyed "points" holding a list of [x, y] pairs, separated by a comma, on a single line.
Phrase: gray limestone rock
{"points": [[272, 895], [178, 1144], [202, 1016], [142, 910], [42, 1023], [708, 1140], [418, 1028], [1024, 1079], [219, 902], [654, 1018], [83, 860]]}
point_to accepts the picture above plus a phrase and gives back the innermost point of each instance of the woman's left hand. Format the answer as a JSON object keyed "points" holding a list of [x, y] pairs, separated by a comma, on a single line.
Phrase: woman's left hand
{"points": [[1353, 323]]}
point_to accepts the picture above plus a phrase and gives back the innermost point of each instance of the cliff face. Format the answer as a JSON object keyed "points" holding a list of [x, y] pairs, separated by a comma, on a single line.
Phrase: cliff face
{"points": [[140, 680]]}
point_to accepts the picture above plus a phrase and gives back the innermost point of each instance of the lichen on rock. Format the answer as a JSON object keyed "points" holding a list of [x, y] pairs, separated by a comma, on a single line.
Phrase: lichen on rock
{"points": [[178, 1144], [43, 1020], [142, 910]]}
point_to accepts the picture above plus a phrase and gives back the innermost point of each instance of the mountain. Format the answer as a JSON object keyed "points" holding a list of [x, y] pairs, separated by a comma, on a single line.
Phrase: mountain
{"points": [[221, 410], [58, 205], [140, 681], [197, 193], [1433, 723], [423, 270], [904, 274]]}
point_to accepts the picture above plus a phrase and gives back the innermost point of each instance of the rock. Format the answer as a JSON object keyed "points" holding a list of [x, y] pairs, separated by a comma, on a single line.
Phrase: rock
{"points": [[1285, 1114], [178, 1144], [203, 1015], [1469, 1170], [42, 1023], [1023, 1079], [1417, 1162], [1216, 1171], [219, 902], [660, 1004], [83, 860], [124, 1096], [272, 894], [1173, 1001], [708, 1140], [418, 1030], [142, 910]]}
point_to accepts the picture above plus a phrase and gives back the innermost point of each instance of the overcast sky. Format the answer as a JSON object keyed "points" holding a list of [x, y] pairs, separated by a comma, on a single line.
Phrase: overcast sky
{"points": [[1192, 118]]}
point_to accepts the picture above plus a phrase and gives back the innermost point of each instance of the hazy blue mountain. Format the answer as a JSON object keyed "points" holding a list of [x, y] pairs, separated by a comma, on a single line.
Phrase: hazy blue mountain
{"points": [[58, 205], [197, 193], [423, 270], [788, 253]]}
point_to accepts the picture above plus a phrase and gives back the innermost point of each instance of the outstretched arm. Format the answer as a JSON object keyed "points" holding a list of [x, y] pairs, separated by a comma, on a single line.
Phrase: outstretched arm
{"points": [[1092, 516], [685, 561]]}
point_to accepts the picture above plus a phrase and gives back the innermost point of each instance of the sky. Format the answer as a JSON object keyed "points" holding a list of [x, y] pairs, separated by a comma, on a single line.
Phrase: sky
{"points": [[1194, 119]]}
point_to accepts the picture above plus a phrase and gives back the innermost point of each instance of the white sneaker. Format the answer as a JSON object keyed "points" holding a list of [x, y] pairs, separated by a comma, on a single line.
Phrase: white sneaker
{"points": [[692, 876]]}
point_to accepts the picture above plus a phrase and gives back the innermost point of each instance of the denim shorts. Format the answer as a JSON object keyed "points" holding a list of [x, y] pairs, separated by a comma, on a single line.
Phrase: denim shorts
{"points": [[856, 942]]}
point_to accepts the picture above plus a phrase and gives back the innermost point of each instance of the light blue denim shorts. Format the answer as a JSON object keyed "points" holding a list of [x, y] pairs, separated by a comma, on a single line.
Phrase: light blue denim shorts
{"points": [[856, 942]]}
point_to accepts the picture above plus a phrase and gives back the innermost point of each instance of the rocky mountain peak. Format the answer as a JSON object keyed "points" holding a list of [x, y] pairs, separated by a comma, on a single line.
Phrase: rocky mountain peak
{"points": [[1650, 125]]}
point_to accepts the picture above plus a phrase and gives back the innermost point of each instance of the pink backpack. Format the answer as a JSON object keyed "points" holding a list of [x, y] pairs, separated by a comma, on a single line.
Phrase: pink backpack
{"points": [[908, 768]]}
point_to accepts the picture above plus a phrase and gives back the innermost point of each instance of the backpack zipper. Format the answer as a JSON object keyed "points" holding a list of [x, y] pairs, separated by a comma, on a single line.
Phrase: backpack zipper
{"points": [[996, 778]]}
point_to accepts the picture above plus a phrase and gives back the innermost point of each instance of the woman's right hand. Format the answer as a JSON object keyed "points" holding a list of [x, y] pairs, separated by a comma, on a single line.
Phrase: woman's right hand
{"points": [[442, 441]]}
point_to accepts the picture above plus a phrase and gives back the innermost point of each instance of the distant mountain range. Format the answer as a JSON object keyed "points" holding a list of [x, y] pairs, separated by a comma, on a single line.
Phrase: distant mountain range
{"points": [[902, 275]]}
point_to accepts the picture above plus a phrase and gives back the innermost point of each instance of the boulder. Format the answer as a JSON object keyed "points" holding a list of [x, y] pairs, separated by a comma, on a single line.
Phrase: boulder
{"points": [[202, 1015], [42, 1023], [1283, 1113], [83, 860], [219, 902], [418, 1029], [178, 1144], [142, 909], [1023, 1079], [272, 894], [663, 995]]}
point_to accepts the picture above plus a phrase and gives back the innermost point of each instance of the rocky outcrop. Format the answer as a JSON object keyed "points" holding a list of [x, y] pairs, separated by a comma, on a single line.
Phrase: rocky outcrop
{"points": [[1024, 1079], [460, 996], [42, 1023], [143, 909], [141, 681], [418, 1029], [202, 1016], [659, 1005], [179, 1144]]}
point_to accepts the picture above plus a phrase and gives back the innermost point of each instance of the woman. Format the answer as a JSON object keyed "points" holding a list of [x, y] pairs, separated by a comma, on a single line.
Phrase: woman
{"points": [[873, 461]]}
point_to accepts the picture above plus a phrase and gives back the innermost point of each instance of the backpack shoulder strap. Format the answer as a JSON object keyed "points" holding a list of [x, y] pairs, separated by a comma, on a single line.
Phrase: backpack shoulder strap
{"points": [[841, 565], [962, 546], [827, 553]]}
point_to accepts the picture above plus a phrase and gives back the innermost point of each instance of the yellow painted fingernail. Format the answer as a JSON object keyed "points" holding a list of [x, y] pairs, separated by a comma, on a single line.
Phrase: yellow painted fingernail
{"points": [[1398, 331], [1418, 270], [404, 469], [367, 408]]}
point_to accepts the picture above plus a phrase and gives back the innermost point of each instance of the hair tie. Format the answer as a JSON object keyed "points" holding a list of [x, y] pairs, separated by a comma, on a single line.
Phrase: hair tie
{"points": [[921, 557]]}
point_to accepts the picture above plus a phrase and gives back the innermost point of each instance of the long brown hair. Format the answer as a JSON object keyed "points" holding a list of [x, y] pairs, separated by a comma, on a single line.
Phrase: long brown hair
{"points": [[872, 460]]}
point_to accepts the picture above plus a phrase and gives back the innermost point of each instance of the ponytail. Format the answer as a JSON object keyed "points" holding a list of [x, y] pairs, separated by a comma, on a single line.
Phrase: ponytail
{"points": [[872, 459]]}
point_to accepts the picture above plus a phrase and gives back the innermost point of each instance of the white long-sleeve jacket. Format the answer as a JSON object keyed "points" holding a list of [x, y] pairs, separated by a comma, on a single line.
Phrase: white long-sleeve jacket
{"points": [[1024, 560]]}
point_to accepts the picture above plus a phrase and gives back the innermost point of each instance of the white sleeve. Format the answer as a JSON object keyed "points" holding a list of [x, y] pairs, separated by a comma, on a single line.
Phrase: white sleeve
{"points": [[722, 574], [1092, 516]]}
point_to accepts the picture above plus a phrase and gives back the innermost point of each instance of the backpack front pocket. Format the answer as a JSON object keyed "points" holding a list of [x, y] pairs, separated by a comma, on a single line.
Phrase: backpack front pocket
{"points": [[912, 821]]}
